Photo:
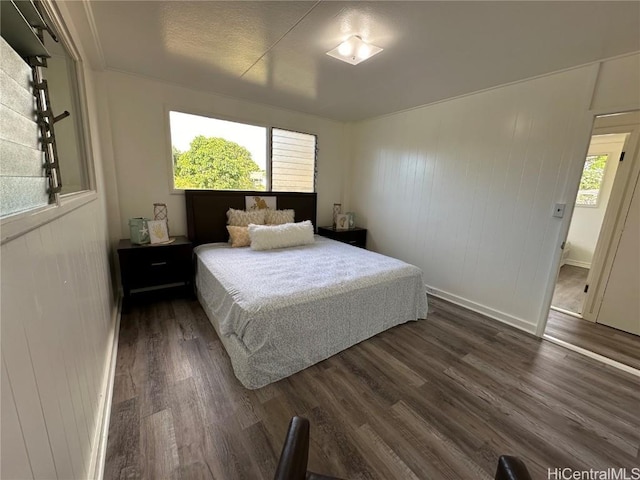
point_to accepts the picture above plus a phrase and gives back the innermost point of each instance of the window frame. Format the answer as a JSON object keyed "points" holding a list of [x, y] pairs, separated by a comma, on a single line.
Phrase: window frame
{"points": [[268, 148], [80, 101], [17, 224]]}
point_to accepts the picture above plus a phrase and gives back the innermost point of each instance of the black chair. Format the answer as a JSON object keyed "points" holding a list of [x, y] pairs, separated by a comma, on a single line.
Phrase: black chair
{"points": [[295, 454], [511, 468]]}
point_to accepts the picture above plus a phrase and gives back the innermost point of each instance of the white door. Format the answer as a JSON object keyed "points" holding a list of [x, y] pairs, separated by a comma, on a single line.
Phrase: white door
{"points": [[621, 302]]}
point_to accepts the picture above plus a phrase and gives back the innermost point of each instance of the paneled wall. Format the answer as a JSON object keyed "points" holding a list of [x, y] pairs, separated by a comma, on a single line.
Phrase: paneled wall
{"points": [[56, 332], [465, 189], [137, 124], [57, 328]]}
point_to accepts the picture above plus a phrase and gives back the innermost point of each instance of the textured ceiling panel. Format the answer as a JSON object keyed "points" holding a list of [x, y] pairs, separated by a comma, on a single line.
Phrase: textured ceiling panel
{"points": [[274, 52]]}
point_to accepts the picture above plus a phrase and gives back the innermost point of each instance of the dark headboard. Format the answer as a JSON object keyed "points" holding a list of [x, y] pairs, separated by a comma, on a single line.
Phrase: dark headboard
{"points": [[207, 210]]}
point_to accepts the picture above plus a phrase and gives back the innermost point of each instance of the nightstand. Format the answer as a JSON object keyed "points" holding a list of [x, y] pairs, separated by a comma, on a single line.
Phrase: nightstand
{"points": [[354, 236], [148, 265]]}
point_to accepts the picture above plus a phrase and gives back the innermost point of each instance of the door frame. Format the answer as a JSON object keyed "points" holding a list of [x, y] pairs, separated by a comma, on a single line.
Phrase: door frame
{"points": [[573, 184], [614, 219]]}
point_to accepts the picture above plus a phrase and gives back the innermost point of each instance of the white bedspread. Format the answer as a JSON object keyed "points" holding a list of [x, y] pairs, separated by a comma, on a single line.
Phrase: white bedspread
{"points": [[292, 307]]}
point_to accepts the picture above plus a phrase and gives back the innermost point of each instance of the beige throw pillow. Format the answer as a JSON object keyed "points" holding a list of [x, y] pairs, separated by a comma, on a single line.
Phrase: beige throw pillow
{"points": [[239, 236], [240, 218], [279, 217]]}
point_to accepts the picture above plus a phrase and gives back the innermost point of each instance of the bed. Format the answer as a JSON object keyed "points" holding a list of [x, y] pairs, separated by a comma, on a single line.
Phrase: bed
{"points": [[280, 311]]}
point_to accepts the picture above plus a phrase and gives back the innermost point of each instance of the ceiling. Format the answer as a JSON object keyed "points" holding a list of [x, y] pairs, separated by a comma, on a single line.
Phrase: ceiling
{"points": [[275, 52]]}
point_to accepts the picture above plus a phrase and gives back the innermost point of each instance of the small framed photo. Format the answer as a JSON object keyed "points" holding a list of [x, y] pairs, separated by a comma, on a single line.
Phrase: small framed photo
{"points": [[257, 202], [342, 221], [158, 232]]}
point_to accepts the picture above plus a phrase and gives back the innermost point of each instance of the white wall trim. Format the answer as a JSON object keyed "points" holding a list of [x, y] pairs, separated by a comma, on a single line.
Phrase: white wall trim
{"points": [[519, 323], [14, 226], [577, 263], [593, 355], [101, 435]]}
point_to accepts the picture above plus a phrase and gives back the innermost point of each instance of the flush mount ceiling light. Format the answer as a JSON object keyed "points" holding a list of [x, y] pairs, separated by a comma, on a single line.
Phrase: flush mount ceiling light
{"points": [[354, 50]]}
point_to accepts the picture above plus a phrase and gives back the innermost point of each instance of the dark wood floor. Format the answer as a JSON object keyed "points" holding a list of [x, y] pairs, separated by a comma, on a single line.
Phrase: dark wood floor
{"points": [[620, 346], [569, 291], [440, 398]]}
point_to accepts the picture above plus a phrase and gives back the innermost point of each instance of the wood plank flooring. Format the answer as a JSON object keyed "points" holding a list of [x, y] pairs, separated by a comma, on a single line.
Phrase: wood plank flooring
{"points": [[435, 399], [569, 292], [620, 346]]}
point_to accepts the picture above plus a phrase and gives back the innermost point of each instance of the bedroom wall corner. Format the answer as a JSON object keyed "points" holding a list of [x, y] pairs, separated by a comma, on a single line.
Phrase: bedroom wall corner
{"points": [[347, 189]]}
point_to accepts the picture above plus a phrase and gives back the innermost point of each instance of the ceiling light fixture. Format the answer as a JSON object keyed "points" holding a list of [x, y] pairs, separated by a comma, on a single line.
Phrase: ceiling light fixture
{"points": [[354, 50]]}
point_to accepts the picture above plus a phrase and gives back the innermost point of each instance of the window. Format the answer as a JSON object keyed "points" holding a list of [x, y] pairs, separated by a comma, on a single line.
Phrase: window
{"points": [[62, 78], [209, 153], [37, 161], [591, 181], [293, 161]]}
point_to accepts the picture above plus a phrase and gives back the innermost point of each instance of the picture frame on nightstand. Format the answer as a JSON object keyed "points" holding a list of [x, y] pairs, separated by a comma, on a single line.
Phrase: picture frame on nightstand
{"points": [[158, 232], [342, 221]]}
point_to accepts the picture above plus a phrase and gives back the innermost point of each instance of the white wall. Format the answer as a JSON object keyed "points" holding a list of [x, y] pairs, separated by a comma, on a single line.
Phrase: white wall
{"points": [[587, 221], [56, 338], [617, 88], [139, 134], [57, 326], [465, 188]]}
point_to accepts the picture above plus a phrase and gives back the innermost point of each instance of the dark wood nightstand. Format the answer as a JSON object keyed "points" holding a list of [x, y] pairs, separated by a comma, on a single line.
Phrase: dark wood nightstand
{"points": [[152, 265], [355, 236]]}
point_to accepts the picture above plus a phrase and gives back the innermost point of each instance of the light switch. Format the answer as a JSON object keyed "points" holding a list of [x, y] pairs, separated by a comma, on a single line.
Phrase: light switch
{"points": [[558, 211]]}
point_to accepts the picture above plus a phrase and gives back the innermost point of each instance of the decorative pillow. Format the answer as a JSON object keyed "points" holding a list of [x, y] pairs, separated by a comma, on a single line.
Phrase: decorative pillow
{"points": [[240, 218], [239, 236], [278, 217], [267, 237]]}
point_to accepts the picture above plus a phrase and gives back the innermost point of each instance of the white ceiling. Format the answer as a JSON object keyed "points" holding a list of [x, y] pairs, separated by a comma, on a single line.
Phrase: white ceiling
{"points": [[274, 52]]}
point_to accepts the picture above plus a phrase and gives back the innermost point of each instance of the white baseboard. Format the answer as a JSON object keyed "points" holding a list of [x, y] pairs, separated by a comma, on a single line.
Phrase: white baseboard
{"points": [[98, 455], [516, 322], [577, 263]]}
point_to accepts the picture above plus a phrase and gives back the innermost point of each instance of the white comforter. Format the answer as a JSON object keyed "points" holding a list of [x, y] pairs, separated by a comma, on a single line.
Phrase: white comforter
{"points": [[274, 303]]}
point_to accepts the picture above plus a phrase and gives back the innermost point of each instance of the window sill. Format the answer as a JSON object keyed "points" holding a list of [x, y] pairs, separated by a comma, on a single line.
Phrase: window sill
{"points": [[19, 224]]}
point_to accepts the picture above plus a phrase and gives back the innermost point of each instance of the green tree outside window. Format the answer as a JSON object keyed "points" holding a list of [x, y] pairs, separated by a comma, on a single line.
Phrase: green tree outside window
{"points": [[591, 180], [217, 164]]}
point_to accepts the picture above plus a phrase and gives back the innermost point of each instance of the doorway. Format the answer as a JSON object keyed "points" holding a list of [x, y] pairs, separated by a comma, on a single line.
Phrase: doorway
{"points": [[595, 305], [596, 184]]}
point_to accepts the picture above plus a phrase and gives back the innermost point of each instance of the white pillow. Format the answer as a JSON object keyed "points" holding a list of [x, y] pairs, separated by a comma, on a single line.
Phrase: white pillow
{"points": [[240, 218], [268, 237], [278, 217]]}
